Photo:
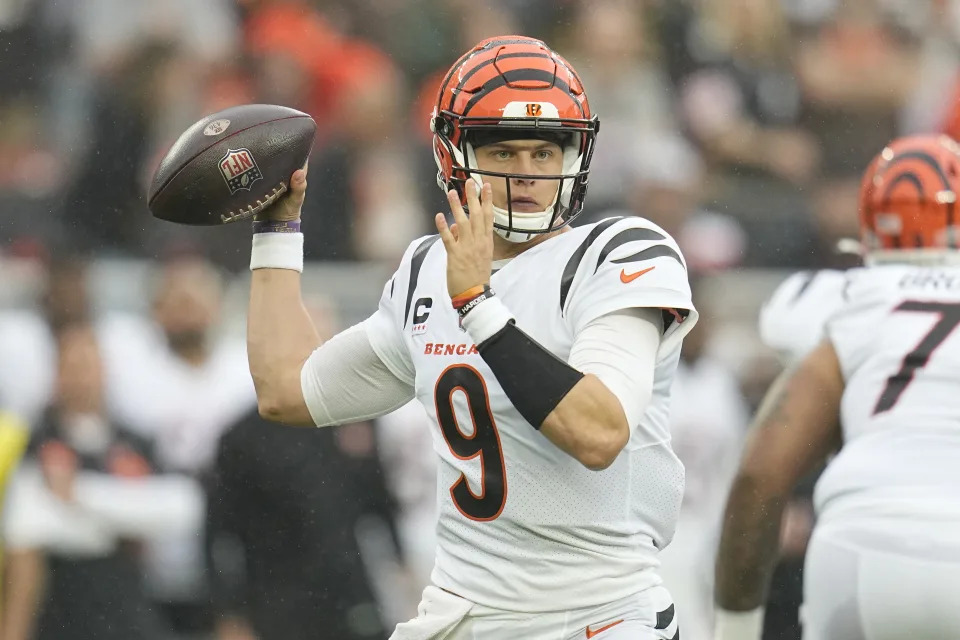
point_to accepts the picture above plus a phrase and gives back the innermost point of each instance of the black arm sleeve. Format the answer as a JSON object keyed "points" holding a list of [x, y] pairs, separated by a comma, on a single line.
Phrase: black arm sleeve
{"points": [[534, 379]]}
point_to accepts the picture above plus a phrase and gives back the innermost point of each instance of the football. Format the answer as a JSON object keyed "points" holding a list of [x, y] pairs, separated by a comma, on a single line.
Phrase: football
{"points": [[231, 165]]}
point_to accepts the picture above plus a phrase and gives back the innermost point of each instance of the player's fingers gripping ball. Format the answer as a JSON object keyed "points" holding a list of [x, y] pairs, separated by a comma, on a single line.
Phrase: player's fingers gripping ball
{"points": [[288, 207], [469, 241]]}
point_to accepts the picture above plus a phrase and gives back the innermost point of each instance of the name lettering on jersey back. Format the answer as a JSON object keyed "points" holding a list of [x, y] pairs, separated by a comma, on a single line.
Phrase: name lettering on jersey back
{"points": [[937, 280], [441, 349]]}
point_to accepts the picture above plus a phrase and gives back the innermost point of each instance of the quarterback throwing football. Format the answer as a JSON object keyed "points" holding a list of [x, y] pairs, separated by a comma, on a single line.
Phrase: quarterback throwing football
{"points": [[543, 355]]}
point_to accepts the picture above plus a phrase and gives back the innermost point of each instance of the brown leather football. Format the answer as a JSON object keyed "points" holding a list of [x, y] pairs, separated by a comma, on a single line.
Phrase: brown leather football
{"points": [[231, 165]]}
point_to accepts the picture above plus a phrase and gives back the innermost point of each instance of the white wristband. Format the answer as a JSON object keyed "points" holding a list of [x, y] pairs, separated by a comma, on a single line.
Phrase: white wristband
{"points": [[277, 251], [486, 319], [738, 625]]}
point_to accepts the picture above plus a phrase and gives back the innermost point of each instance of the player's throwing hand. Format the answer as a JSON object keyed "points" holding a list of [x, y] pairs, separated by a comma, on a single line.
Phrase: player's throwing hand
{"points": [[469, 241], [287, 209]]}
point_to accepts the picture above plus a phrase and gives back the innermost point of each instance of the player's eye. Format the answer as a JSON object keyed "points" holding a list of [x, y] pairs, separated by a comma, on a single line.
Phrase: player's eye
{"points": [[543, 154], [503, 154]]}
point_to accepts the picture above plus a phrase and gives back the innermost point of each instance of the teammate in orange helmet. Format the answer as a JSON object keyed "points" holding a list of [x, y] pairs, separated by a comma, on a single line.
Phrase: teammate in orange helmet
{"points": [[542, 353], [879, 391]]}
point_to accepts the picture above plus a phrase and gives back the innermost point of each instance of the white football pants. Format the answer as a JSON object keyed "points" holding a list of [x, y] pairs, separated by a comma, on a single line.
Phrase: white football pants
{"points": [[444, 616], [883, 580]]}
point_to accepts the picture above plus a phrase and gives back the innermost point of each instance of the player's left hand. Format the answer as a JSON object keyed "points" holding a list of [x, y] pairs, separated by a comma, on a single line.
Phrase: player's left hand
{"points": [[469, 241]]}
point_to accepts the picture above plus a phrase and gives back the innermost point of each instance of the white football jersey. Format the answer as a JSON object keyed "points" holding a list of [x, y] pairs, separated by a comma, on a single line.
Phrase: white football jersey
{"points": [[522, 525], [899, 349], [792, 320]]}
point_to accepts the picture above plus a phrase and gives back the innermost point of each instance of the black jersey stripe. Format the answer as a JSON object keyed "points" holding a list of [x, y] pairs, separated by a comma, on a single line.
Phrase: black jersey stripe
{"points": [[416, 261], [665, 617], [570, 270], [847, 283], [656, 251], [808, 278], [627, 235]]}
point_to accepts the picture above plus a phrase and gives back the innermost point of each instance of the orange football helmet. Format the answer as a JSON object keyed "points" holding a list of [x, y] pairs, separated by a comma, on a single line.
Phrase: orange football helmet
{"points": [[514, 87], [908, 200]]}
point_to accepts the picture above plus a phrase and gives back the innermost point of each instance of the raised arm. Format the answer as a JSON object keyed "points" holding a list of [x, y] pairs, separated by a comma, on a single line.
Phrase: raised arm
{"points": [[280, 333], [298, 382]]}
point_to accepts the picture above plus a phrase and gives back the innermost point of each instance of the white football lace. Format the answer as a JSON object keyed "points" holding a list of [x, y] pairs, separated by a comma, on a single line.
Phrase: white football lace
{"points": [[254, 209]]}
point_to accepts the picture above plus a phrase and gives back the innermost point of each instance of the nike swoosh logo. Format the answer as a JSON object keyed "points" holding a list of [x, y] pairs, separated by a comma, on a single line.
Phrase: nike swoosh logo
{"points": [[630, 277], [596, 632]]}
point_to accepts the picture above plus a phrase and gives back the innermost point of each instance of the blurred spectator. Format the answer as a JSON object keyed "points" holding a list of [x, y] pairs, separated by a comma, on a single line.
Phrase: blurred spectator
{"points": [[107, 207], [87, 494], [708, 424], [364, 204], [616, 51], [179, 379], [95, 42], [281, 566], [283, 512], [368, 198], [27, 347], [731, 62], [181, 383], [121, 80], [786, 98], [105, 32], [294, 47], [857, 71], [21, 43]]}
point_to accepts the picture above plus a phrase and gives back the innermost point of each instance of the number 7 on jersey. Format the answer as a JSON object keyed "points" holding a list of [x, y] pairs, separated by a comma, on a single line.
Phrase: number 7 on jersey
{"points": [[949, 313]]}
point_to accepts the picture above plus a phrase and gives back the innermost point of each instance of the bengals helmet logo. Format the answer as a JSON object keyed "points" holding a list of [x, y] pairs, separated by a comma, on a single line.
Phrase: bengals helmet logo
{"points": [[534, 110], [909, 193]]}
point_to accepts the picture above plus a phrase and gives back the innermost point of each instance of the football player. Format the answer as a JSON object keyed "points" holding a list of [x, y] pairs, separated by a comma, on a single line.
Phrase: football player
{"points": [[880, 387], [542, 353]]}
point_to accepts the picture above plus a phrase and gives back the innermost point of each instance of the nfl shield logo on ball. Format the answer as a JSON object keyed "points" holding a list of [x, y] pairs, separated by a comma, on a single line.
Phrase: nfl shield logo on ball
{"points": [[239, 169]]}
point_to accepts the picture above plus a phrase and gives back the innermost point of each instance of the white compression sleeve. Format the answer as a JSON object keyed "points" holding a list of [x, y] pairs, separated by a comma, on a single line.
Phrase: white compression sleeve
{"points": [[344, 380], [620, 348]]}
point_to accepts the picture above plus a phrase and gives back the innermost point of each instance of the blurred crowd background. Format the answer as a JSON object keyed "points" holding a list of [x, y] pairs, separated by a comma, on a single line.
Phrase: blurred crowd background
{"points": [[153, 502]]}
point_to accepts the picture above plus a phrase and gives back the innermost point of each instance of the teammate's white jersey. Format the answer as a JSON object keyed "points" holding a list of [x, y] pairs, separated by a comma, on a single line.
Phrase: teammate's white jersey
{"points": [[793, 319], [894, 329], [523, 526]]}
